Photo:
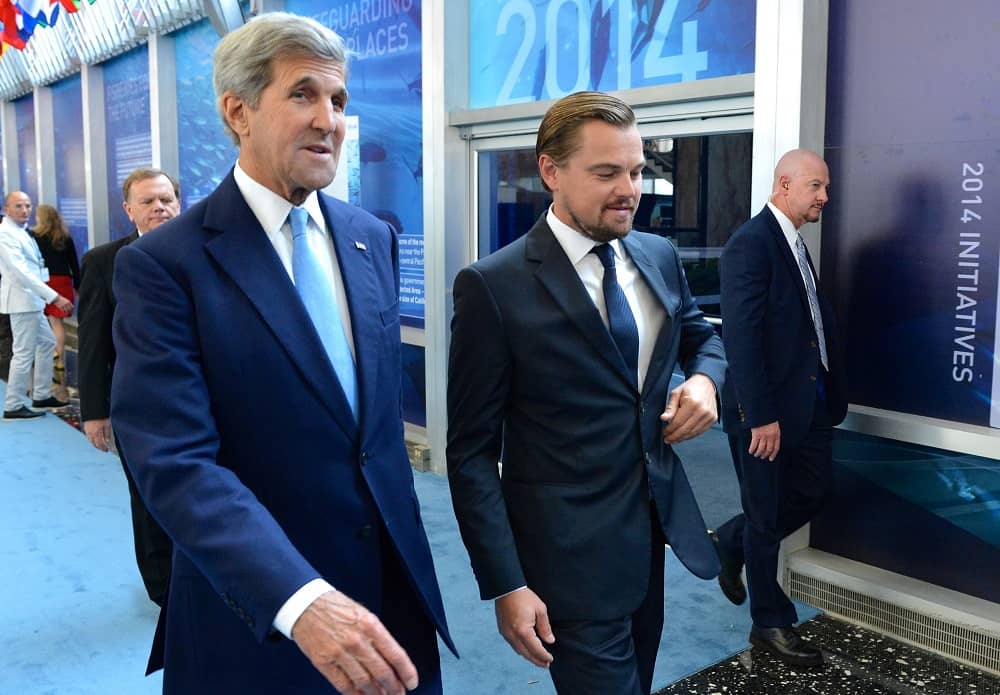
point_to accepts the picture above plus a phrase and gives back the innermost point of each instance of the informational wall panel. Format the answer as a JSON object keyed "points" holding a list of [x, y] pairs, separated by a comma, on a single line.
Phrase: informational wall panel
{"points": [[911, 239], [128, 127], [386, 92]]}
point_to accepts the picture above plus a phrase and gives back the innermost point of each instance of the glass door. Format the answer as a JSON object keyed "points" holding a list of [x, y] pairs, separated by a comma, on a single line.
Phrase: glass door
{"points": [[695, 191]]}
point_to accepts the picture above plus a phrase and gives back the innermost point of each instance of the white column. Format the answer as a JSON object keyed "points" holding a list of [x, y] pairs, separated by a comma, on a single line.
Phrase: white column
{"points": [[446, 230], [95, 154], [789, 91], [163, 104], [789, 112], [45, 151], [11, 171]]}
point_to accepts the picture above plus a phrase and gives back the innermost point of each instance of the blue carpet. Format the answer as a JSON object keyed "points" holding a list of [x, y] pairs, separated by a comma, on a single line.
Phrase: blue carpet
{"points": [[75, 618]]}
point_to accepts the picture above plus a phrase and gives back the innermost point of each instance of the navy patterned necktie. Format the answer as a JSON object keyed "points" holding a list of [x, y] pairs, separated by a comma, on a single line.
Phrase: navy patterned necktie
{"points": [[621, 322]]}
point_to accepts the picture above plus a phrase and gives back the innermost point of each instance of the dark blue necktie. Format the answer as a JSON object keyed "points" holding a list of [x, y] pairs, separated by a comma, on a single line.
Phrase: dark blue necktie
{"points": [[621, 322]]}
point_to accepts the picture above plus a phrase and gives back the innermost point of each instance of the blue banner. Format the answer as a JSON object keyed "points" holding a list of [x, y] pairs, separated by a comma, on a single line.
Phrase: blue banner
{"points": [[71, 172], [530, 50], [911, 244], [386, 96], [24, 115], [128, 128], [206, 152]]}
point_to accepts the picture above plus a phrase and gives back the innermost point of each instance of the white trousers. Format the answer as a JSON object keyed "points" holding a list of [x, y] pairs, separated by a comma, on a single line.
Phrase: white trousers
{"points": [[33, 344]]}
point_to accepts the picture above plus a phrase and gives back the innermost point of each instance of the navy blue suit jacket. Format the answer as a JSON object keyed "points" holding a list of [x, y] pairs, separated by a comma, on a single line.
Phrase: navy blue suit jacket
{"points": [[770, 339], [536, 380], [244, 446]]}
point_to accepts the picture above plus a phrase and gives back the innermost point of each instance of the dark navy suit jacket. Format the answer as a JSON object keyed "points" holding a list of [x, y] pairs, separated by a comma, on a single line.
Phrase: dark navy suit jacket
{"points": [[244, 446], [536, 380], [770, 339]]}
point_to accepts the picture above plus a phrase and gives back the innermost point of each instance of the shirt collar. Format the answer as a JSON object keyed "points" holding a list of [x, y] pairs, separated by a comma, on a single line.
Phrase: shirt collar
{"points": [[574, 243], [270, 209], [787, 226]]}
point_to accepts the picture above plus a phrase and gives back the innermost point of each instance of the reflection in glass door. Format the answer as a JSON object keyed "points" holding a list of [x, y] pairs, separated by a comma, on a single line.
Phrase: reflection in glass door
{"points": [[695, 191]]}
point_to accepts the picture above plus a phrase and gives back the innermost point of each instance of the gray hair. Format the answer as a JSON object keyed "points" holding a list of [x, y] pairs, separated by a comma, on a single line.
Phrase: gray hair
{"points": [[244, 58]]}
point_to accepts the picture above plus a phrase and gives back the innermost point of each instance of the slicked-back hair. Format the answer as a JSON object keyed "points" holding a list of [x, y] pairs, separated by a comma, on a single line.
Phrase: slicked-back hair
{"points": [[558, 134], [144, 173], [245, 58]]}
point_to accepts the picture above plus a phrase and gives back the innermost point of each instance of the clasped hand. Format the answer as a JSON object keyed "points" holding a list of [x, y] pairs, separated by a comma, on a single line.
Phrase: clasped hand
{"points": [[691, 409]]}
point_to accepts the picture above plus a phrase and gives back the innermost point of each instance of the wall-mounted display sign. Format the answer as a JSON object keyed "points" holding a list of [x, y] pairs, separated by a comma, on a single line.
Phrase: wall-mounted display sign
{"points": [[71, 169], [24, 117], [530, 50], [911, 244], [128, 128], [385, 142]]}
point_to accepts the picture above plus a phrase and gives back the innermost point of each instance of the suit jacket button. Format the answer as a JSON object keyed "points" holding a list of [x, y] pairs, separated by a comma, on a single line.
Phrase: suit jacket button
{"points": [[812, 378], [364, 457], [648, 459], [365, 531], [812, 343]]}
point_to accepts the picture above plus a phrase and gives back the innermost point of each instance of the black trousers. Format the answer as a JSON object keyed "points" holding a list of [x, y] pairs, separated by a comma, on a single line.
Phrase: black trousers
{"points": [[153, 548], [598, 657], [778, 497]]}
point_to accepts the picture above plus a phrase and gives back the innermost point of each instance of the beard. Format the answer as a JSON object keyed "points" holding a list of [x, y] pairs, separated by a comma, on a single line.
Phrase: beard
{"points": [[603, 233]]}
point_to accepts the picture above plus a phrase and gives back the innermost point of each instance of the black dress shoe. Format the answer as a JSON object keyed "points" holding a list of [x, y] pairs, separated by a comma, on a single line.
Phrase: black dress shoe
{"points": [[730, 579], [786, 644], [50, 402], [22, 413]]}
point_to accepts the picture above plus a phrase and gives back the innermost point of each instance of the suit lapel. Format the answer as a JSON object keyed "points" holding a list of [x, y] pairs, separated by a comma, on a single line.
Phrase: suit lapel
{"points": [[786, 253], [244, 252], [358, 273], [560, 278]]}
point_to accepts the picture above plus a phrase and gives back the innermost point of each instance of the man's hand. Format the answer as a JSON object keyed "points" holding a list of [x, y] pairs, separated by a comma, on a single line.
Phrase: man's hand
{"points": [[522, 619], [765, 441], [63, 304], [98, 432], [691, 409], [349, 645]]}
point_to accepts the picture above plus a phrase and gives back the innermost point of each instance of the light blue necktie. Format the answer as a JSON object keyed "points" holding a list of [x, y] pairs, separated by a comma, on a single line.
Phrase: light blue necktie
{"points": [[317, 293], [817, 317]]}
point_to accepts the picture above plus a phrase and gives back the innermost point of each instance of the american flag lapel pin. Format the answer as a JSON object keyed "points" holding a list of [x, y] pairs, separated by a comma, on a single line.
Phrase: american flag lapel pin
{"points": [[360, 247]]}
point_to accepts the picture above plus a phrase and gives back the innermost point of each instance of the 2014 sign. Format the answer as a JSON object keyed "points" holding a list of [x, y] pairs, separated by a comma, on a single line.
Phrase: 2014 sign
{"points": [[525, 50]]}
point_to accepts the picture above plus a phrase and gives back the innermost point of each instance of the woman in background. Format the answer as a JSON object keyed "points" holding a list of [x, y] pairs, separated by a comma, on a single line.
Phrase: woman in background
{"points": [[59, 253]]}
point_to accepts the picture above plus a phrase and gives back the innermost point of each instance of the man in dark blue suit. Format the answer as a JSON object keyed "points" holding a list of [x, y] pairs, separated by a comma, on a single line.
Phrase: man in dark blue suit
{"points": [[784, 394], [256, 396], [563, 345]]}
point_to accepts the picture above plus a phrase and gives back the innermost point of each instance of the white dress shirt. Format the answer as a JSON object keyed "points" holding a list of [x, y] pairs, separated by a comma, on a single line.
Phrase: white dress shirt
{"points": [[271, 210], [646, 308]]}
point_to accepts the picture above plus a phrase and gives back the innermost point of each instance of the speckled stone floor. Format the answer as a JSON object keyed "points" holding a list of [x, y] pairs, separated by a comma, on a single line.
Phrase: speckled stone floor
{"points": [[858, 662]]}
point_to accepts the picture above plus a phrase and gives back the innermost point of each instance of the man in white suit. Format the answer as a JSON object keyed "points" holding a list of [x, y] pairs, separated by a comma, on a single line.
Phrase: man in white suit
{"points": [[23, 295]]}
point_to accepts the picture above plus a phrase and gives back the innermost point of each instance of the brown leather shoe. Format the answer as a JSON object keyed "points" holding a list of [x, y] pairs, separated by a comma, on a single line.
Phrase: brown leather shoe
{"points": [[786, 644]]}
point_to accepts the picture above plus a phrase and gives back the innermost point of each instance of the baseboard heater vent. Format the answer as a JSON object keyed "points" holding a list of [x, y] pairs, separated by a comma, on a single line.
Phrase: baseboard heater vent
{"points": [[969, 645]]}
